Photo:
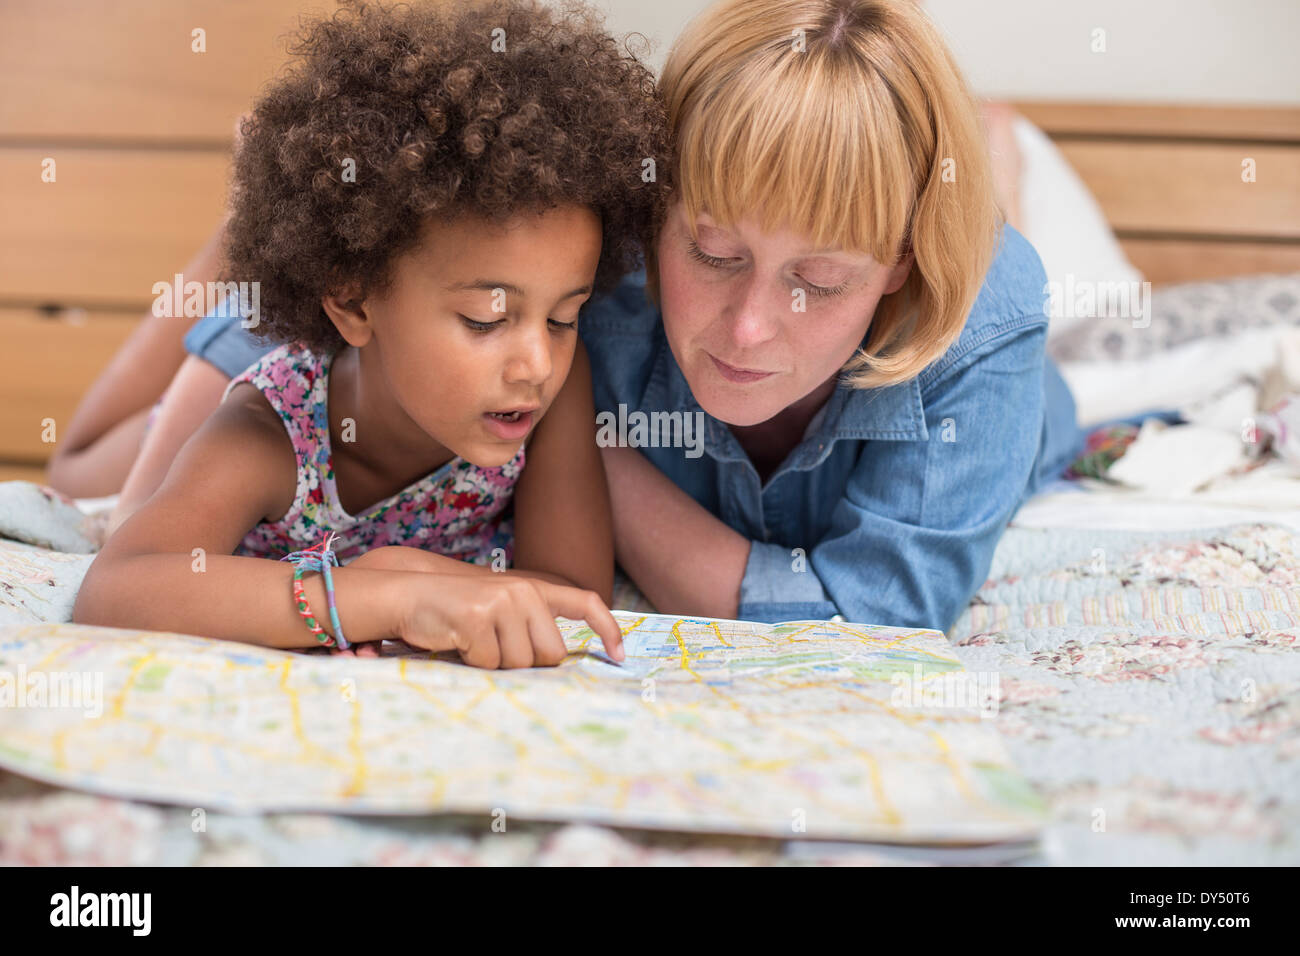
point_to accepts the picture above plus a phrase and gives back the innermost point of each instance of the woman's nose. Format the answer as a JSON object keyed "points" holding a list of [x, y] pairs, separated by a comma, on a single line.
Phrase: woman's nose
{"points": [[754, 320]]}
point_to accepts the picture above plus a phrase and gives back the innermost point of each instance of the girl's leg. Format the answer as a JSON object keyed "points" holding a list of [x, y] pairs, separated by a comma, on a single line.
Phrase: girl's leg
{"points": [[100, 442], [98, 445], [193, 394], [100, 468]]}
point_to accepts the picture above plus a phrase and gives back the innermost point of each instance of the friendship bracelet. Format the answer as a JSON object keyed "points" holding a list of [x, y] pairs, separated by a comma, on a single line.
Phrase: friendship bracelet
{"points": [[332, 558], [300, 598], [317, 558]]}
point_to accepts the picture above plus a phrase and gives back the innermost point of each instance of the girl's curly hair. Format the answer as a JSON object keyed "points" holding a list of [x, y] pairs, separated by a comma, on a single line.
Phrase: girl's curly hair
{"points": [[393, 115]]}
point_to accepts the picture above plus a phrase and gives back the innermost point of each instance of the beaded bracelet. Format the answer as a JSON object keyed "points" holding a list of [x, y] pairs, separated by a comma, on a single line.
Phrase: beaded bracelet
{"points": [[317, 558]]}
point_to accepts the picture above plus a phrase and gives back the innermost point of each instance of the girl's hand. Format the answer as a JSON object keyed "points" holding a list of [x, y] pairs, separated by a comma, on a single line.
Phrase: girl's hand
{"points": [[499, 621]]}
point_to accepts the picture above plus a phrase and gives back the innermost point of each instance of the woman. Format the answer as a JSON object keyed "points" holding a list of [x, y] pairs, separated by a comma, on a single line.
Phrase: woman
{"points": [[835, 298]]}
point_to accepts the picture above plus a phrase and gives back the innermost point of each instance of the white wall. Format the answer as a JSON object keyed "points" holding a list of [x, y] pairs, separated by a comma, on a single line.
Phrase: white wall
{"points": [[1163, 50], [1234, 51]]}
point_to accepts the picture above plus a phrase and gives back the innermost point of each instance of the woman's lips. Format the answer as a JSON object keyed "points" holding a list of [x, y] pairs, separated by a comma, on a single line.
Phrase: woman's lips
{"points": [[508, 426], [740, 376]]}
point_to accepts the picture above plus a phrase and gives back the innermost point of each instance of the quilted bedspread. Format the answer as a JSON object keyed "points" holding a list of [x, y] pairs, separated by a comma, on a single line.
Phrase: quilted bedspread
{"points": [[1149, 687]]}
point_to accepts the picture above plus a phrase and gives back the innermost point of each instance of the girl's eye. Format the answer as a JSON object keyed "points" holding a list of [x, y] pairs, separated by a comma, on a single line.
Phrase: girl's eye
{"points": [[474, 326], [699, 255], [556, 324]]}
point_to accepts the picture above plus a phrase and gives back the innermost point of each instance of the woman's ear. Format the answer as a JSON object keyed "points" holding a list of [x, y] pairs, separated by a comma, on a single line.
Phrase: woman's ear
{"points": [[347, 310], [899, 273]]}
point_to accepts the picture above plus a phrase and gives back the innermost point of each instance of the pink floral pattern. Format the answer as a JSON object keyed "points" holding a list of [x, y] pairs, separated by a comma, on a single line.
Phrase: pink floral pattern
{"points": [[460, 510]]}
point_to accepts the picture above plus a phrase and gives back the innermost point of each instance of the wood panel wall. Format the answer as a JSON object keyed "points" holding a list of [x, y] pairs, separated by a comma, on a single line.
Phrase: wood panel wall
{"points": [[1170, 181], [138, 127]]}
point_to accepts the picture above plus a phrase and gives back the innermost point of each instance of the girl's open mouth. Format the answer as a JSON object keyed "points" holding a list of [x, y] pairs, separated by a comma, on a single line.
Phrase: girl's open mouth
{"points": [[508, 426]]}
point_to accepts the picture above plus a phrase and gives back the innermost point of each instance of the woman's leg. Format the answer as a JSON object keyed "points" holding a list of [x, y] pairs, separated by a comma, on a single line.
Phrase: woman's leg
{"points": [[1063, 439], [1005, 157], [193, 394]]}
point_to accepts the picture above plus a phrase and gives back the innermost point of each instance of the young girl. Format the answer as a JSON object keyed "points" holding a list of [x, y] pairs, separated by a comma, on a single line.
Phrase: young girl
{"points": [[425, 203]]}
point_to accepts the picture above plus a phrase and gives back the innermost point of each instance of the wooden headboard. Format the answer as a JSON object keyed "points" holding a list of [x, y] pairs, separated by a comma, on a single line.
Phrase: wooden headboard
{"points": [[140, 126], [1175, 182], [134, 119]]}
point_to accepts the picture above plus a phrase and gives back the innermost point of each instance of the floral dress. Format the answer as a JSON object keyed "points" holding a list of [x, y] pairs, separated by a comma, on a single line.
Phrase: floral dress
{"points": [[459, 510]]}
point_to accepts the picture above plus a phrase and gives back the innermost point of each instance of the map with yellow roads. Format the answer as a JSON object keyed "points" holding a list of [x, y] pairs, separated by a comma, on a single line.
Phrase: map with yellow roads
{"points": [[803, 730]]}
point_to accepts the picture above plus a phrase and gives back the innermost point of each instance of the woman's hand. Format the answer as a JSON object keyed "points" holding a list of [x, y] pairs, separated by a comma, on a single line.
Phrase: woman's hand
{"points": [[496, 620]]}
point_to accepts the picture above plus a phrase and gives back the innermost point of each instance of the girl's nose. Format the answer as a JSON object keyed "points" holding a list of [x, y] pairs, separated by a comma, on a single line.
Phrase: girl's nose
{"points": [[530, 360]]}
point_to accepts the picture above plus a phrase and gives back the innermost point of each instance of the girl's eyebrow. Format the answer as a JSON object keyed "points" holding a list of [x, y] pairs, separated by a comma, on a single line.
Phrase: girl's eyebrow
{"points": [[488, 285]]}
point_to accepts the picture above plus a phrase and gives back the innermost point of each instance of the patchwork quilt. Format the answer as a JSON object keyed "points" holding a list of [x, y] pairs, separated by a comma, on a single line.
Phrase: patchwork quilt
{"points": [[1148, 689]]}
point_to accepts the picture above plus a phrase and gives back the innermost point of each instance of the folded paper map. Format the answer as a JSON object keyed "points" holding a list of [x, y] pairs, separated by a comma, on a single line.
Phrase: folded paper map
{"points": [[804, 730]]}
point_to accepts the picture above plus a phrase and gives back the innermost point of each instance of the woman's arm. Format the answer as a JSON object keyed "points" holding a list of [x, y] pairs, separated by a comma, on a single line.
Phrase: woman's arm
{"points": [[908, 560], [562, 515], [100, 443], [684, 560]]}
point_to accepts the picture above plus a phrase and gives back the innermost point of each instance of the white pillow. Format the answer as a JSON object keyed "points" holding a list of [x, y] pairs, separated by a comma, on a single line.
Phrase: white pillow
{"points": [[1063, 221], [1171, 379]]}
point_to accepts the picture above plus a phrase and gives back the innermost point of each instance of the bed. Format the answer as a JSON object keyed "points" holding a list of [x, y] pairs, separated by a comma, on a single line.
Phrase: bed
{"points": [[1147, 640]]}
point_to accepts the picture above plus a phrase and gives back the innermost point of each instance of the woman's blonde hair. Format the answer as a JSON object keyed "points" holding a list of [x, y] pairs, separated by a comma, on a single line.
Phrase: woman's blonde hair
{"points": [[847, 121]]}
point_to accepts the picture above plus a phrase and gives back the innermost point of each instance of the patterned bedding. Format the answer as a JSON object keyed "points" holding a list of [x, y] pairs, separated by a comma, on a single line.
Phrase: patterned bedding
{"points": [[1150, 690]]}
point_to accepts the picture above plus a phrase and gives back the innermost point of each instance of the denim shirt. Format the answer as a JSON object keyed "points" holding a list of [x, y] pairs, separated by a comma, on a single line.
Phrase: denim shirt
{"points": [[889, 509]]}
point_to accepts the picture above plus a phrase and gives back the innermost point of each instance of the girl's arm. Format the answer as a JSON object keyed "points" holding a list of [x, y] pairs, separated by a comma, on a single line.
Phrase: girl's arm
{"points": [[170, 567], [684, 560], [562, 516]]}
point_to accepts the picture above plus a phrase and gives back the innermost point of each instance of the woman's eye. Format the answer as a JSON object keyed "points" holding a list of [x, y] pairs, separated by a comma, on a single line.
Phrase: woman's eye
{"points": [[821, 290], [699, 255], [475, 326], [557, 324]]}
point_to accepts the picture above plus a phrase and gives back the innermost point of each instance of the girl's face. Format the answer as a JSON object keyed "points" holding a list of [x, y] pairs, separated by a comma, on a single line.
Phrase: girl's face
{"points": [[475, 335], [730, 306]]}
